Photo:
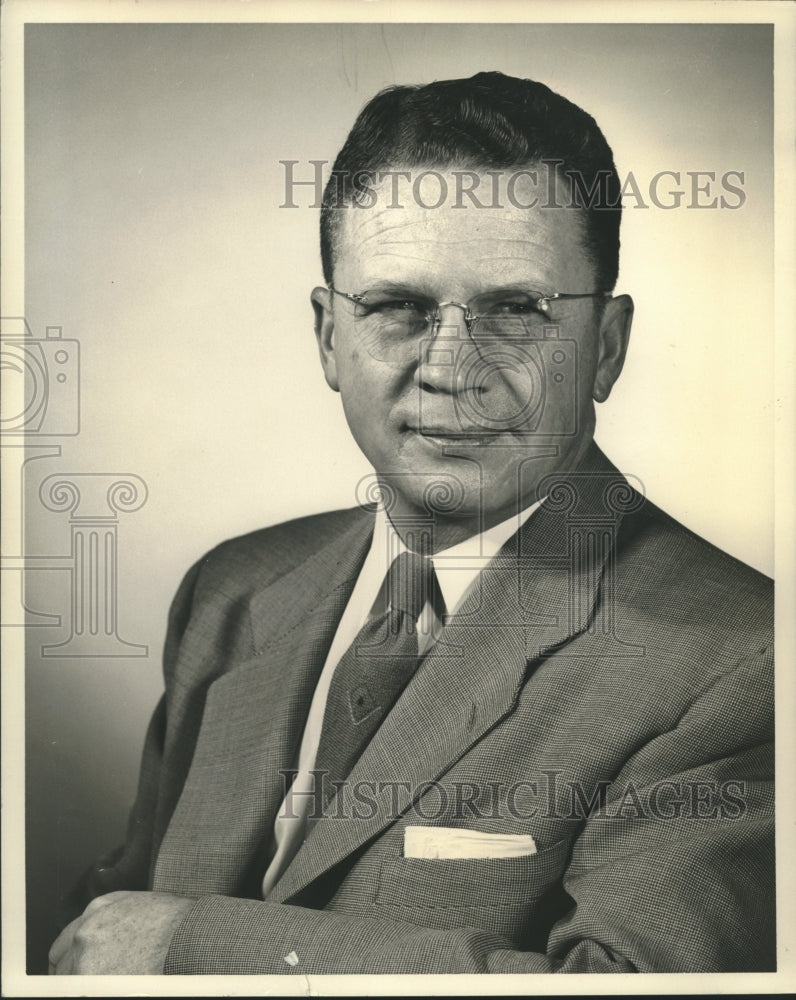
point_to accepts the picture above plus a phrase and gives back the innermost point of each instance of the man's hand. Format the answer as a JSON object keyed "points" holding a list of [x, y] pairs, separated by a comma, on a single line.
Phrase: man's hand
{"points": [[122, 933]]}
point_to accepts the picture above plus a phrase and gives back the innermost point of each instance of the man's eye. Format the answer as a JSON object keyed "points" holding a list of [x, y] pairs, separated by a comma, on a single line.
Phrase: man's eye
{"points": [[394, 306], [514, 307]]}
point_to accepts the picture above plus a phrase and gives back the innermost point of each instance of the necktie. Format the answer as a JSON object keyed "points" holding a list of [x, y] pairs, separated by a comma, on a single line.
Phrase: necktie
{"points": [[373, 671]]}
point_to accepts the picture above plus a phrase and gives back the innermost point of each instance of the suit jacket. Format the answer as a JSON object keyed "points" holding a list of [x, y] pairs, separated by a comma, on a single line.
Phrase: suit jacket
{"points": [[606, 688]]}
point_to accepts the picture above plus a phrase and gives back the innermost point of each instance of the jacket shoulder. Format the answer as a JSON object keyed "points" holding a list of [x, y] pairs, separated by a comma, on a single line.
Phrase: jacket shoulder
{"points": [[210, 610], [255, 559], [690, 586]]}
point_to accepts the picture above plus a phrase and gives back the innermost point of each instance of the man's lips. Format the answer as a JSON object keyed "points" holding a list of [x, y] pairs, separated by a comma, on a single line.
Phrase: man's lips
{"points": [[454, 434], [443, 430]]}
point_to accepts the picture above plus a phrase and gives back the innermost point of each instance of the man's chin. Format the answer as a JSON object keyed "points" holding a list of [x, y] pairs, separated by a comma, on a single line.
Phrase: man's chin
{"points": [[456, 477], [454, 491]]}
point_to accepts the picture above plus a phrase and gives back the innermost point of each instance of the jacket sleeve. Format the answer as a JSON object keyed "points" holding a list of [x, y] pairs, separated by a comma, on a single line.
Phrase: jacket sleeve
{"points": [[655, 886], [127, 866]]}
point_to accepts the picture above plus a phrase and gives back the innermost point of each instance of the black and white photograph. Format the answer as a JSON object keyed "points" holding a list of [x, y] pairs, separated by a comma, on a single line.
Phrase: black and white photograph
{"points": [[397, 445]]}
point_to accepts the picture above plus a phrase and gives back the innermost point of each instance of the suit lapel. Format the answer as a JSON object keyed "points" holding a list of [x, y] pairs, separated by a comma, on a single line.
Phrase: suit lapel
{"points": [[538, 593], [252, 723]]}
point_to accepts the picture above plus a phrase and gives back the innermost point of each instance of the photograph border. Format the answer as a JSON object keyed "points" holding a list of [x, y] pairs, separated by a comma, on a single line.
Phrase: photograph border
{"points": [[15, 15]]}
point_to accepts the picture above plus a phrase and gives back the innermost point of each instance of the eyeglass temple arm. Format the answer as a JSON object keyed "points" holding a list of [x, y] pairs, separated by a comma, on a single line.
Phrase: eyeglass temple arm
{"points": [[352, 296], [544, 300]]}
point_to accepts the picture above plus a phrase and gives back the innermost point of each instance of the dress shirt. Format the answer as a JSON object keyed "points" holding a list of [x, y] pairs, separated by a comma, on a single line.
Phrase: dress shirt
{"points": [[456, 569]]}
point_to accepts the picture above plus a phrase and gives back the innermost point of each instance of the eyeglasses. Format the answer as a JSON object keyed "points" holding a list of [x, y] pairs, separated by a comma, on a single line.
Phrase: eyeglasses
{"points": [[393, 320]]}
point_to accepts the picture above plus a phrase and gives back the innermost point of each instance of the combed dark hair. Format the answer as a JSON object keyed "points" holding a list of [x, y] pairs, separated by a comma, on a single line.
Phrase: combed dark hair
{"points": [[489, 121]]}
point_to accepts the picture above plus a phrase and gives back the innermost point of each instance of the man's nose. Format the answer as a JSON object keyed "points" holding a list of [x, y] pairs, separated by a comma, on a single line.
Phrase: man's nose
{"points": [[439, 366]]}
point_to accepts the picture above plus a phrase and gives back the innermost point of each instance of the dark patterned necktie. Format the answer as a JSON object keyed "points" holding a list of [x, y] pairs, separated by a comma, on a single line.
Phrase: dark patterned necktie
{"points": [[373, 671]]}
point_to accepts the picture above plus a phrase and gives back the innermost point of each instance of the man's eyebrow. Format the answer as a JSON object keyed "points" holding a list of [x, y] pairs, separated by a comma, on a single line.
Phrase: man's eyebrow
{"points": [[399, 287], [514, 286], [406, 288]]}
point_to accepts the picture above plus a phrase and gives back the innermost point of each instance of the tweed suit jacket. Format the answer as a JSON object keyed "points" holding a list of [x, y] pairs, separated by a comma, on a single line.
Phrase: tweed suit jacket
{"points": [[605, 688]]}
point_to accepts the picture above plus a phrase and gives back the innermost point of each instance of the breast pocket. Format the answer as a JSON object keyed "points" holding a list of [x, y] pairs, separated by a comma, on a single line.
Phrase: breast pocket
{"points": [[505, 895]]}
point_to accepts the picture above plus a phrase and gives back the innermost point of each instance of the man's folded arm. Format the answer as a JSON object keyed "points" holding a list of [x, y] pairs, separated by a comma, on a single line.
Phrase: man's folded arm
{"points": [[687, 908], [655, 886]]}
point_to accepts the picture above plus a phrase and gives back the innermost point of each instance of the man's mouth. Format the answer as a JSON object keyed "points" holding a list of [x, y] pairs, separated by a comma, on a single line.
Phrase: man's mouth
{"points": [[455, 435]]}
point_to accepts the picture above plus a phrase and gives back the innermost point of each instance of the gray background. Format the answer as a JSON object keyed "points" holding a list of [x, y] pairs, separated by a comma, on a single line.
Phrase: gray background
{"points": [[154, 236]]}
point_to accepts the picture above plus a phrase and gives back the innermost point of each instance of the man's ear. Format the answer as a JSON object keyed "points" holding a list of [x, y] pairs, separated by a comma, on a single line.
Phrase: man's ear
{"points": [[614, 337], [324, 333]]}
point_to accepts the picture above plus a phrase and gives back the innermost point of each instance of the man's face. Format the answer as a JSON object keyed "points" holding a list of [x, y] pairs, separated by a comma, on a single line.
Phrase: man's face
{"points": [[484, 415]]}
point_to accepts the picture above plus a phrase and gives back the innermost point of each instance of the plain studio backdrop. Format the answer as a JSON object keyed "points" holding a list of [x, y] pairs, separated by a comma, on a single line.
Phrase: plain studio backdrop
{"points": [[155, 237]]}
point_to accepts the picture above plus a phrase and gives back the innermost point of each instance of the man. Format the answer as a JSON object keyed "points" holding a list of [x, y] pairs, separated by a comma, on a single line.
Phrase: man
{"points": [[512, 719]]}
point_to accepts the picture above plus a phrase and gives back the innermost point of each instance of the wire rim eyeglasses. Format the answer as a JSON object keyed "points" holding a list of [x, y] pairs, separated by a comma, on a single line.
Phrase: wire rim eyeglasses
{"points": [[395, 316]]}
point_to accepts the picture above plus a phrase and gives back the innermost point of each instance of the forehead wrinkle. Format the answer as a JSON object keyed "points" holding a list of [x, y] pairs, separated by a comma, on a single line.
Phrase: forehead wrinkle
{"points": [[379, 226], [393, 229], [366, 228], [379, 223], [432, 249], [429, 251], [476, 239], [393, 255], [428, 263], [411, 231]]}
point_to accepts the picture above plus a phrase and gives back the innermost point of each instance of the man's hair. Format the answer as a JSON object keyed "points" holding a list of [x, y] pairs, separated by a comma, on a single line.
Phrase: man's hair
{"points": [[489, 121]]}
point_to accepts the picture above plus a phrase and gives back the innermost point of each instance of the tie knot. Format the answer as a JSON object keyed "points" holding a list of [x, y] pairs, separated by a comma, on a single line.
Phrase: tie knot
{"points": [[409, 584]]}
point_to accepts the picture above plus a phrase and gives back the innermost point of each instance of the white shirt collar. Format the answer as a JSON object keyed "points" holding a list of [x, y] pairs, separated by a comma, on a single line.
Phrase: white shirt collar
{"points": [[456, 567]]}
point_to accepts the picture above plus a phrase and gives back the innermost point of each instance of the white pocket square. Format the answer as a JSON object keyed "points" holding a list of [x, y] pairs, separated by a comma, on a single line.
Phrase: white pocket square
{"points": [[451, 842]]}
